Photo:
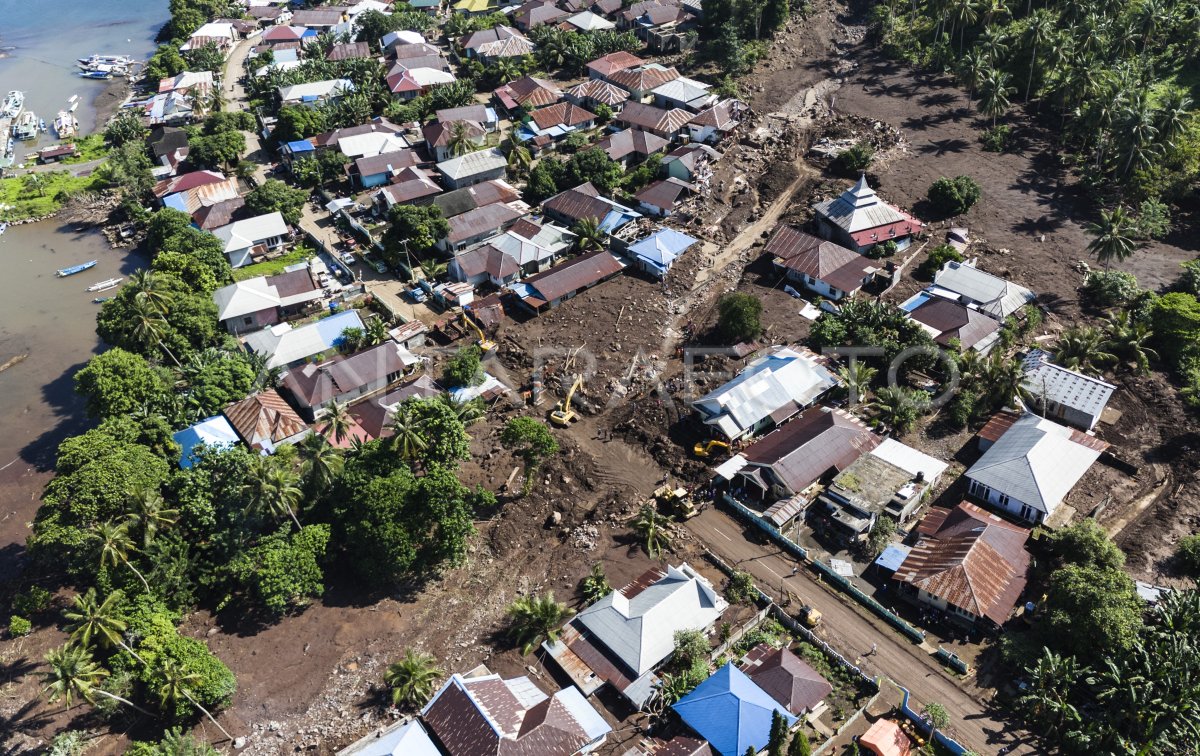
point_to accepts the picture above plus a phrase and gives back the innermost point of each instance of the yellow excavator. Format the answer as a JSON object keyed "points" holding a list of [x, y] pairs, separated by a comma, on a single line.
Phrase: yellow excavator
{"points": [[486, 345], [703, 449], [563, 413]]}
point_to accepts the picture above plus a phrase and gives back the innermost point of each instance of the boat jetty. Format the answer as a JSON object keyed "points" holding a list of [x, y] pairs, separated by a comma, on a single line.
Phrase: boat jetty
{"points": [[64, 272], [105, 285]]}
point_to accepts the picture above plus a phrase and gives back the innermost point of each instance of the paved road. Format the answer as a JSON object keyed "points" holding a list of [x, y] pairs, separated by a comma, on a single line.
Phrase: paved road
{"points": [[852, 630]]}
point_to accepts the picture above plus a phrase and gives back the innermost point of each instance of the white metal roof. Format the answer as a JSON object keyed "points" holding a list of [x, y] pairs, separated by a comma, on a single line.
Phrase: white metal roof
{"points": [[473, 163], [910, 460], [588, 21], [316, 89], [768, 384], [246, 233], [282, 345], [1055, 383], [401, 739], [640, 631], [371, 143], [993, 295], [254, 295], [1035, 462]]}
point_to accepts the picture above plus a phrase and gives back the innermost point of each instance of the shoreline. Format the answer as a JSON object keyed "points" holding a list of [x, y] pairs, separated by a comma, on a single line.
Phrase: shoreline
{"points": [[115, 94]]}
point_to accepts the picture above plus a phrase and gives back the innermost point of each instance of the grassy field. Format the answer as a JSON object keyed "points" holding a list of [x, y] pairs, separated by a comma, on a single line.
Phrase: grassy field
{"points": [[91, 147], [272, 267], [20, 200]]}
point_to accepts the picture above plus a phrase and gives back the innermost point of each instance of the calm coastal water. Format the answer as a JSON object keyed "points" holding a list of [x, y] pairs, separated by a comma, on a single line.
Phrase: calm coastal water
{"points": [[41, 42], [52, 320]]}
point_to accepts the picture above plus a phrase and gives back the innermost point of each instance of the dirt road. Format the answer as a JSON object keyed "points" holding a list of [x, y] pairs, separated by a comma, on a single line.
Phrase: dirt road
{"points": [[852, 631]]}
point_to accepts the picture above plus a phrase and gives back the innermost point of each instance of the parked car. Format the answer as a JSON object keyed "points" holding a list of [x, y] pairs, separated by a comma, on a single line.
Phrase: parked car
{"points": [[380, 266], [348, 258]]}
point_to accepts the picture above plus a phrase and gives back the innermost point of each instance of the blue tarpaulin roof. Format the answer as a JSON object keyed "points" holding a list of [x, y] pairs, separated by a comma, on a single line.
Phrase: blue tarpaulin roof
{"points": [[215, 432], [731, 712], [662, 247], [301, 146], [175, 202], [892, 557]]}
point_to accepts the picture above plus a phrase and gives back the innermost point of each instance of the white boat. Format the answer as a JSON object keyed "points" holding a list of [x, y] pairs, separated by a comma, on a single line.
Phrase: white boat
{"points": [[65, 125], [14, 103], [3, 228], [110, 283], [73, 98]]}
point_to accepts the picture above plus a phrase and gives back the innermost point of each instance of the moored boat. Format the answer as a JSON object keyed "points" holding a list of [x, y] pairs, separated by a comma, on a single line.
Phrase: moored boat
{"points": [[65, 125], [13, 103], [26, 126], [106, 284], [100, 300], [96, 74], [64, 272]]}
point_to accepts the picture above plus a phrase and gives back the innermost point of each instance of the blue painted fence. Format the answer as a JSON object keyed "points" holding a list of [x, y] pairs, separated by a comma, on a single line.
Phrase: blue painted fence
{"points": [[944, 740]]}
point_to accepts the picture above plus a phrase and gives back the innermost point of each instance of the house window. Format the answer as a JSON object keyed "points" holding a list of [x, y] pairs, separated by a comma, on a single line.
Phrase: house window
{"points": [[1003, 500], [247, 320], [1028, 513]]}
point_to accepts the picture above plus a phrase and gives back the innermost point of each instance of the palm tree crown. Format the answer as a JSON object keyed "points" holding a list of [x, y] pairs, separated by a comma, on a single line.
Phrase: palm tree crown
{"points": [[412, 678], [534, 618]]}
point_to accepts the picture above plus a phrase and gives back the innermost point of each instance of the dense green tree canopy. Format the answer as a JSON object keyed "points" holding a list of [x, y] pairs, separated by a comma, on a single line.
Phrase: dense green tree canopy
{"points": [[274, 195], [116, 382]]}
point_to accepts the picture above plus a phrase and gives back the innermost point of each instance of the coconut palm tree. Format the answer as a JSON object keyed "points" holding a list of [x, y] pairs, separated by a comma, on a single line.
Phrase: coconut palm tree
{"points": [[533, 618], [115, 545], [176, 683], [964, 13], [1003, 376], [89, 619], [899, 407], [35, 182], [75, 674], [322, 462], [518, 155], [506, 70], [993, 44], [149, 287], [148, 510], [1082, 348], [271, 488], [588, 235], [149, 326], [412, 678], [467, 412], [408, 438], [994, 93], [654, 530], [1128, 341], [1037, 33], [857, 376], [1139, 132], [460, 139], [336, 422], [971, 70], [1112, 236]]}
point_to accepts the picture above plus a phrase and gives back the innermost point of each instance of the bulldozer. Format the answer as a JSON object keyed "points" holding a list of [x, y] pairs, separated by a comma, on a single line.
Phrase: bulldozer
{"points": [[486, 345], [676, 501], [563, 413], [705, 449]]}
